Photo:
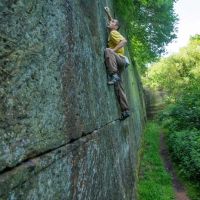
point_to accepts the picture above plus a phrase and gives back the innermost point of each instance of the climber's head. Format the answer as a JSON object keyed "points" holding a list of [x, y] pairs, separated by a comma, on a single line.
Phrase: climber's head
{"points": [[113, 24]]}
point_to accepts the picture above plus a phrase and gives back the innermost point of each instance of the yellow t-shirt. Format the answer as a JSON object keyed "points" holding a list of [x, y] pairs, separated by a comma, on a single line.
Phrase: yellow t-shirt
{"points": [[113, 40]]}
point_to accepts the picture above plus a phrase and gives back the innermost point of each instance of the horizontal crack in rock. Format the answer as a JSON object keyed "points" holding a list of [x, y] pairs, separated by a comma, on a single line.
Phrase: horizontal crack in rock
{"points": [[8, 169]]}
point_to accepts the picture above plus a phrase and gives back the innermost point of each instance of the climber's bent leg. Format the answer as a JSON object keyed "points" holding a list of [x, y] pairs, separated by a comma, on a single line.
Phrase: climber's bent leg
{"points": [[113, 61]]}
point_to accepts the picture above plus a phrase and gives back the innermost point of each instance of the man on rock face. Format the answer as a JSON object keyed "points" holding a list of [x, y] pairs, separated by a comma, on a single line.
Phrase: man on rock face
{"points": [[116, 61]]}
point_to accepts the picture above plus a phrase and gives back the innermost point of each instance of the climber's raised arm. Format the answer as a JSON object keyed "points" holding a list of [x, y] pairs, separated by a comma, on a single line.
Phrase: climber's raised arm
{"points": [[107, 10]]}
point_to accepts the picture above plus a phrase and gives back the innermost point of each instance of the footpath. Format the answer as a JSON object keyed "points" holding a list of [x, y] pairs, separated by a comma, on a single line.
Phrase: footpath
{"points": [[177, 185]]}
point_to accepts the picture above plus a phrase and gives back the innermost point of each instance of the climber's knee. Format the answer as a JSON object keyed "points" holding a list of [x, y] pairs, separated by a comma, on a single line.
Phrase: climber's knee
{"points": [[107, 52]]}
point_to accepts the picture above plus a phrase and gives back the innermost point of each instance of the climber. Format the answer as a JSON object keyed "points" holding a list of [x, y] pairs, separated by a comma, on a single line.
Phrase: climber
{"points": [[115, 62]]}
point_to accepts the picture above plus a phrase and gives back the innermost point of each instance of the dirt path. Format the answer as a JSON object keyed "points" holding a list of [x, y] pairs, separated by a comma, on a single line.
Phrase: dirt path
{"points": [[178, 187]]}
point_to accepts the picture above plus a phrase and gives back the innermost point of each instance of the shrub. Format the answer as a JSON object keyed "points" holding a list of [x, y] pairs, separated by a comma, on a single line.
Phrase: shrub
{"points": [[183, 114], [185, 148]]}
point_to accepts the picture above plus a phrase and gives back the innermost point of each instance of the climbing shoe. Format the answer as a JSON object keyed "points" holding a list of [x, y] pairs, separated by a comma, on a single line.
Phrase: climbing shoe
{"points": [[114, 79], [124, 115]]}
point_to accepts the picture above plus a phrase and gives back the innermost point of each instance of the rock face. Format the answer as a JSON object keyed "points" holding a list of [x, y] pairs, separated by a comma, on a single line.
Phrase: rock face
{"points": [[155, 102], [60, 137]]}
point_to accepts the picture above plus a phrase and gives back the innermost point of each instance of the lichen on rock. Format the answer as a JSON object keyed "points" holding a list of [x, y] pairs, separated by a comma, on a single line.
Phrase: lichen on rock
{"points": [[59, 133]]}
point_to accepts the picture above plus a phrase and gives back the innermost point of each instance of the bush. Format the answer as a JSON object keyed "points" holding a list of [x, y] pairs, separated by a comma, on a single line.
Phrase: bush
{"points": [[185, 148], [183, 114]]}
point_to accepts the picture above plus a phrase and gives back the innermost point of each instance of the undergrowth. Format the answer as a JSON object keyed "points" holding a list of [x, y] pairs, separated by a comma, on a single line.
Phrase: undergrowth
{"points": [[154, 181]]}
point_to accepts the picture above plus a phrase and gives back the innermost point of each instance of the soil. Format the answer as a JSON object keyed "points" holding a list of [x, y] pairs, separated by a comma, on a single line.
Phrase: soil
{"points": [[178, 186]]}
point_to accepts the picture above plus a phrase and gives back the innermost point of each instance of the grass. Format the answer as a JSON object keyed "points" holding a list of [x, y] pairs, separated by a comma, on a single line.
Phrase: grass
{"points": [[154, 182]]}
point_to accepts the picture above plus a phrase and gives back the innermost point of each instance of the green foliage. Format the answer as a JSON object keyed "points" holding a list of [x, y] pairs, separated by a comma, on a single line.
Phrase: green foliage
{"points": [[185, 112], [179, 76], [193, 188], [175, 73], [150, 26], [154, 182], [183, 120], [185, 148]]}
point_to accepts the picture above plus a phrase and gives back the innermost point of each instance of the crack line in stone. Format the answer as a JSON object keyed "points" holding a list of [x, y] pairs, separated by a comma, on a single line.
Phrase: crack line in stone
{"points": [[7, 169]]}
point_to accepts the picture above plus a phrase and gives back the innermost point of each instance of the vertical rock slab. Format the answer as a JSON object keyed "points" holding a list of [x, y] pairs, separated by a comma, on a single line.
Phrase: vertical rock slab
{"points": [[32, 117], [59, 127], [98, 166], [154, 102], [53, 79]]}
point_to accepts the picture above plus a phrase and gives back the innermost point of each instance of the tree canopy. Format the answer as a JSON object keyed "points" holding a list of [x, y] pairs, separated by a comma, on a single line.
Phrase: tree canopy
{"points": [[150, 26], [178, 72]]}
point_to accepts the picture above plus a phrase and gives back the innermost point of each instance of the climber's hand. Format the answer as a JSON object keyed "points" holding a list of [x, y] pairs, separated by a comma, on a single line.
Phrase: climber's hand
{"points": [[107, 9]]}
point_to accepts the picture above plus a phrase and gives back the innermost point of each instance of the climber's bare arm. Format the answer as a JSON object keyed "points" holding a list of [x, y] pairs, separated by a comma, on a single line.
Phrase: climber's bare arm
{"points": [[107, 10], [120, 45]]}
